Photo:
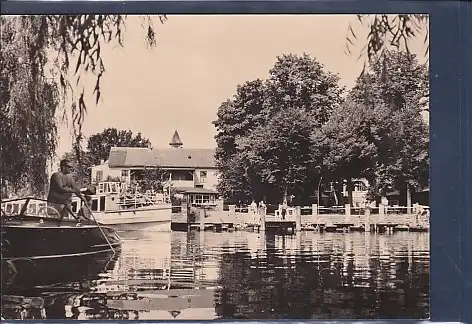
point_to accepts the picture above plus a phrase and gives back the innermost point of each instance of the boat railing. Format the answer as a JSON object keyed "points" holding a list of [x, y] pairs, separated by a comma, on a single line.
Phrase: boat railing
{"points": [[138, 199], [30, 206]]}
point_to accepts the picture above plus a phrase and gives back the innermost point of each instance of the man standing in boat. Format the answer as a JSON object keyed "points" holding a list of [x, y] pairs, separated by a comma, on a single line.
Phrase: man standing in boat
{"points": [[61, 189]]}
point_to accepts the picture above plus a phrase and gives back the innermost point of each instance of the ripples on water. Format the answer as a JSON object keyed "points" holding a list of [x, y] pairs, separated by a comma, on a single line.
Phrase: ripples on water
{"points": [[231, 276]]}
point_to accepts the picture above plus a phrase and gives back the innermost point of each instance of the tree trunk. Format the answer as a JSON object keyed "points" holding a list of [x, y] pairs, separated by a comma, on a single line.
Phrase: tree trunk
{"points": [[349, 187], [284, 200], [408, 199]]}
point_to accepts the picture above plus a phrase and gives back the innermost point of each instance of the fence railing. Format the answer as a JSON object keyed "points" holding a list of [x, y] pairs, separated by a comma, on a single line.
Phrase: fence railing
{"points": [[249, 215]]}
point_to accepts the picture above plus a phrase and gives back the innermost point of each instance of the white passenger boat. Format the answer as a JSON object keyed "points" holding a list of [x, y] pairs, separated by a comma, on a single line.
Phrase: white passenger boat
{"points": [[119, 209]]}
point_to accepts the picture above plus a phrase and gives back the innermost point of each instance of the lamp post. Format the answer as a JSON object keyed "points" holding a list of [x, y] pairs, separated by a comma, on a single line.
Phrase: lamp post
{"points": [[319, 185]]}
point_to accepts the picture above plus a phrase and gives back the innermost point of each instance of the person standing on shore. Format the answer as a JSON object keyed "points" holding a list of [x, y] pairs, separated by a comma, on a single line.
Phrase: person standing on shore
{"points": [[61, 189]]}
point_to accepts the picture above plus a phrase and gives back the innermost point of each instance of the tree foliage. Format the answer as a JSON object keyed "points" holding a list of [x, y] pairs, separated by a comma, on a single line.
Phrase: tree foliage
{"points": [[394, 90], [279, 140], [301, 81], [99, 145], [278, 155], [344, 144], [28, 104], [151, 179]]}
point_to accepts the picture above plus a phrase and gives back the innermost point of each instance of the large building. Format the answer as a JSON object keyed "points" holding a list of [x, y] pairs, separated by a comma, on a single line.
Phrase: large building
{"points": [[189, 171]]}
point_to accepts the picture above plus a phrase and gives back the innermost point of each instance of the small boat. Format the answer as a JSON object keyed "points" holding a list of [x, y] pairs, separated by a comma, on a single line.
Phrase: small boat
{"points": [[29, 232], [357, 228], [114, 206], [402, 228], [419, 228], [330, 228]]}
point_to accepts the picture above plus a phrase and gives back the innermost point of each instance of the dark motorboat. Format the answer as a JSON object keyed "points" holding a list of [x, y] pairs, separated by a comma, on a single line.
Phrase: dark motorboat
{"points": [[28, 232]]}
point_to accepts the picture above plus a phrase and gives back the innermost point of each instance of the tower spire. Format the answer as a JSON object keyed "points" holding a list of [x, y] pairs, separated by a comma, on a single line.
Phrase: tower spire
{"points": [[176, 142]]}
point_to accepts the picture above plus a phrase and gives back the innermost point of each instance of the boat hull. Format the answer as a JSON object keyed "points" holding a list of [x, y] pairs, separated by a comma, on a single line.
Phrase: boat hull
{"points": [[44, 238], [151, 219]]}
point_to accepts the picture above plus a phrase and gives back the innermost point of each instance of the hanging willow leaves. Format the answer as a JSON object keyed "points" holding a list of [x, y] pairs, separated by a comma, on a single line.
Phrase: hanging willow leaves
{"points": [[43, 59], [388, 31]]}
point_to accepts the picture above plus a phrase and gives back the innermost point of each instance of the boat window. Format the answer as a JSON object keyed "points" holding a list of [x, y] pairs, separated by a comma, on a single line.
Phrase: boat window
{"points": [[9, 208], [100, 188], [102, 203], [113, 188], [32, 208], [16, 208], [99, 175], [74, 206], [95, 204]]}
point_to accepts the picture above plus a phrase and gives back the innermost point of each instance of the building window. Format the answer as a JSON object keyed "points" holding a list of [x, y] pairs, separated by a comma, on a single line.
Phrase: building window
{"points": [[182, 175], [124, 173], [202, 199], [203, 176], [360, 186], [99, 175]]}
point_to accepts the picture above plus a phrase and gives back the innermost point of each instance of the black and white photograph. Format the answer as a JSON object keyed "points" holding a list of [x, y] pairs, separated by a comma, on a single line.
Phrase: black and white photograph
{"points": [[215, 167]]}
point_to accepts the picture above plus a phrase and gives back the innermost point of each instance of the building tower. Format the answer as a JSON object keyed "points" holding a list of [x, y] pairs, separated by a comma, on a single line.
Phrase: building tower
{"points": [[176, 142]]}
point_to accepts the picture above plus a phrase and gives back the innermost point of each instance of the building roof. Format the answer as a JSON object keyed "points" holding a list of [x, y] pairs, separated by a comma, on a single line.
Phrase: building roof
{"points": [[164, 158]]}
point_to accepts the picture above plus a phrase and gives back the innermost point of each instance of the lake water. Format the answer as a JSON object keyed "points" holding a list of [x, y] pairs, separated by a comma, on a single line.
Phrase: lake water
{"points": [[236, 275]]}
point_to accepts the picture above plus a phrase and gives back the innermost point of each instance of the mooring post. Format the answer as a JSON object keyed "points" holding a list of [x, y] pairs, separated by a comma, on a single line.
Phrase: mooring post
{"points": [[381, 212], [367, 219], [232, 214], [408, 199], [184, 210], [314, 214], [202, 219], [298, 218], [347, 212], [262, 214]]}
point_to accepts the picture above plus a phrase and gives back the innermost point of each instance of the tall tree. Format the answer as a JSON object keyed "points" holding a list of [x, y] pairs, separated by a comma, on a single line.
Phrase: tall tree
{"points": [[394, 89], [298, 89], [28, 104], [345, 144], [99, 145], [278, 154]]}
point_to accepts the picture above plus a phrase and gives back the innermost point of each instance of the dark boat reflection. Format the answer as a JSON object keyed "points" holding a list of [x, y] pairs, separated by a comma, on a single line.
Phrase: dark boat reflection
{"points": [[35, 289]]}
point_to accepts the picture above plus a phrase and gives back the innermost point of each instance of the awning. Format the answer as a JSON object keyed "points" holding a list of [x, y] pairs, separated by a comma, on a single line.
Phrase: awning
{"points": [[192, 190]]}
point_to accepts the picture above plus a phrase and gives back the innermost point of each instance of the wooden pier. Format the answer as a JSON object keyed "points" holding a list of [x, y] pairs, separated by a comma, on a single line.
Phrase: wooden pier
{"points": [[313, 218]]}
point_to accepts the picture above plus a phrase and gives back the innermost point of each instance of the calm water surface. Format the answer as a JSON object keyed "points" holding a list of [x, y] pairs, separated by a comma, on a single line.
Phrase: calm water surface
{"points": [[238, 275]]}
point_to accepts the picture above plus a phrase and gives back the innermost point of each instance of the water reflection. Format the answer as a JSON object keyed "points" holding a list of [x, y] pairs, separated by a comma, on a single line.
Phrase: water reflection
{"points": [[233, 275]]}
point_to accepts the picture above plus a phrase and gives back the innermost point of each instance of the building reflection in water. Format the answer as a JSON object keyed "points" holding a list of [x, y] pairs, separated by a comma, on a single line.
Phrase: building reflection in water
{"points": [[164, 276]]}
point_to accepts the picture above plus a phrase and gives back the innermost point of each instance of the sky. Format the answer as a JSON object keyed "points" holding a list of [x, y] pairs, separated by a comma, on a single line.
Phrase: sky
{"points": [[197, 64]]}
